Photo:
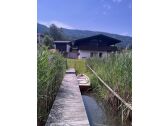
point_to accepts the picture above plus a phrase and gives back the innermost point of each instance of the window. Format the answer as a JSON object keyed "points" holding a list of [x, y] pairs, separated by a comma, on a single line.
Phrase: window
{"points": [[100, 55], [91, 54]]}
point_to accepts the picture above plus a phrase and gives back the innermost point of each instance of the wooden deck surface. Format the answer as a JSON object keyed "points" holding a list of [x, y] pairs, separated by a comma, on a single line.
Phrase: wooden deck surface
{"points": [[70, 71], [68, 108]]}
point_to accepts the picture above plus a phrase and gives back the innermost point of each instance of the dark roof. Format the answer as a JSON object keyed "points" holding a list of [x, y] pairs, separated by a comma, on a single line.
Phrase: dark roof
{"points": [[100, 38], [63, 42]]}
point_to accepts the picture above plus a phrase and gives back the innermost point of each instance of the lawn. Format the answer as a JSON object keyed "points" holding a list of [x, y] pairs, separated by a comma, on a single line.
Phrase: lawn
{"points": [[78, 64]]}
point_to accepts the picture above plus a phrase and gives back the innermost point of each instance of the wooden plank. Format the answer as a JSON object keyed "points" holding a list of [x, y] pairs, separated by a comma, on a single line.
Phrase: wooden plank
{"points": [[112, 91], [68, 108], [70, 70]]}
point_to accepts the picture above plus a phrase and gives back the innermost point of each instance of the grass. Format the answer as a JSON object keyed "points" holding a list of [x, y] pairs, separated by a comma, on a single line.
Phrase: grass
{"points": [[50, 70], [78, 64]]}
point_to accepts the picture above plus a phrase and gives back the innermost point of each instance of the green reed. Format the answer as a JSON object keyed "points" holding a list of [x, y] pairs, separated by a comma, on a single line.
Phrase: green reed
{"points": [[50, 70], [116, 71]]}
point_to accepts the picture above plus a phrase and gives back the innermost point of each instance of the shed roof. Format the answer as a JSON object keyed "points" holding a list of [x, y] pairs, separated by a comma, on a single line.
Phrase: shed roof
{"points": [[66, 42]]}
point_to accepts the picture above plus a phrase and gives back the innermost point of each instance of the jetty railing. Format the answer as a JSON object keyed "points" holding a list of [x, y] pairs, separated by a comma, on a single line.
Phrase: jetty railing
{"points": [[123, 102]]}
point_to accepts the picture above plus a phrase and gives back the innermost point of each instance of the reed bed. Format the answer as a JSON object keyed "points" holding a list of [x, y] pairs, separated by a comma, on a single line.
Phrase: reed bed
{"points": [[50, 70], [116, 71]]}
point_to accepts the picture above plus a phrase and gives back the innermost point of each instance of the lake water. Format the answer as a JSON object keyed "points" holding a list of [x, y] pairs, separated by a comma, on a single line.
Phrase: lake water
{"points": [[98, 113]]}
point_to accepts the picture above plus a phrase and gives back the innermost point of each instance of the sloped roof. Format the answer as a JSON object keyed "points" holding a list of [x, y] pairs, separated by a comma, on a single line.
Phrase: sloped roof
{"points": [[66, 42], [100, 38]]}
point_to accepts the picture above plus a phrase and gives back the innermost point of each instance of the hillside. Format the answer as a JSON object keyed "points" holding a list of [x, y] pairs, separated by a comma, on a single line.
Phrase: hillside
{"points": [[42, 28], [73, 34]]}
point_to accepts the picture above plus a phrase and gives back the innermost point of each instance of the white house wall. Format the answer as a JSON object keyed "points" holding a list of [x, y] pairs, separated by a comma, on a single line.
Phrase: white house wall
{"points": [[86, 54], [83, 54], [68, 48]]}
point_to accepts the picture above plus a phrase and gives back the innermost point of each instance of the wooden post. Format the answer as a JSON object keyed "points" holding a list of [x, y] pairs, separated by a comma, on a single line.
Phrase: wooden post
{"points": [[66, 63], [122, 117]]}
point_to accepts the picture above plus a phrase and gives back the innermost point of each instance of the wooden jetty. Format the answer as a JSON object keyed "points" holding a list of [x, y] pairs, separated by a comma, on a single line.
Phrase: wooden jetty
{"points": [[68, 108]]}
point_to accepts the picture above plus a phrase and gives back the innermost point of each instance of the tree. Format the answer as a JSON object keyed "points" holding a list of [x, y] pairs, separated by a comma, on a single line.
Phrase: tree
{"points": [[48, 41], [55, 32]]}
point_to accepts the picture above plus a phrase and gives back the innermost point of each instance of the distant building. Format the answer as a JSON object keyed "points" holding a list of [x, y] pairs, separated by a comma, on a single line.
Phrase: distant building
{"points": [[62, 46], [94, 46], [40, 38]]}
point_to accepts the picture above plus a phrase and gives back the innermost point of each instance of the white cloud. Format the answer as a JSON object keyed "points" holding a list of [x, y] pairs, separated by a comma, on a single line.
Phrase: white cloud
{"points": [[57, 23]]}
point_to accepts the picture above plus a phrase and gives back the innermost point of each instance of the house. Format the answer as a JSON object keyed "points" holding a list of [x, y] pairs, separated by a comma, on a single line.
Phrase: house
{"points": [[94, 46], [98, 45]]}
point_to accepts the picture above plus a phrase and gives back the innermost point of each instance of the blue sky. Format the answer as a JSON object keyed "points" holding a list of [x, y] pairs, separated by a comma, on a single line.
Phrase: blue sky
{"points": [[113, 16]]}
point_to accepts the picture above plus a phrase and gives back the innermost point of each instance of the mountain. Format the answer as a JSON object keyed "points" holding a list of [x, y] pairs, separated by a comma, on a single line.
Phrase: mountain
{"points": [[72, 34], [42, 28]]}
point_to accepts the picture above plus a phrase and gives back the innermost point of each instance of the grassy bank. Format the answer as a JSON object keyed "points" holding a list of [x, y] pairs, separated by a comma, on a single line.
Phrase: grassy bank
{"points": [[50, 70]]}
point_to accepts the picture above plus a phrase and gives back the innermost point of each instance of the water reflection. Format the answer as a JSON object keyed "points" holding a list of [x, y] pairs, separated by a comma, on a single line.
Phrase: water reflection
{"points": [[98, 113]]}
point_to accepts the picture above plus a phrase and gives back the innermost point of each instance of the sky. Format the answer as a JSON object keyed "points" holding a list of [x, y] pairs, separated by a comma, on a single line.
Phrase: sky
{"points": [[112, 16]]}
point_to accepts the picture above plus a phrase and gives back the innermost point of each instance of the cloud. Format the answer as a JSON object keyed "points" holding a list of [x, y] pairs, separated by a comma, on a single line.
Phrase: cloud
{"points": [[57, 23]]}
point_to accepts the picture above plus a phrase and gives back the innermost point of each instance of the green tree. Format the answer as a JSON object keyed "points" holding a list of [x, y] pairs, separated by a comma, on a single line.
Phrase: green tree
{"points": [[56, 33], [48, 41]]}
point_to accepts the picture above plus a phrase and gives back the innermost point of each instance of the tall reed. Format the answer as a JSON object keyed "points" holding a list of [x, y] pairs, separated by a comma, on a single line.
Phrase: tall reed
{"points": [[116, 71], [50, 70]]}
